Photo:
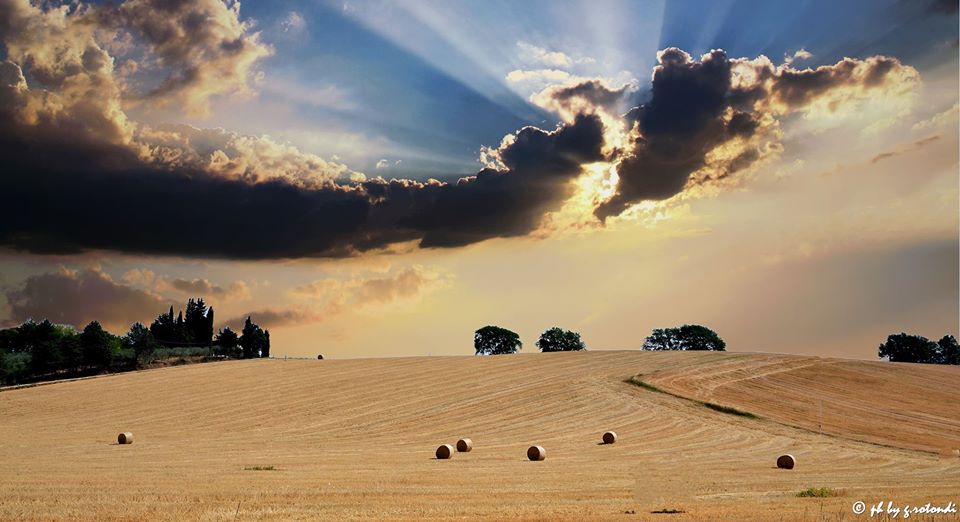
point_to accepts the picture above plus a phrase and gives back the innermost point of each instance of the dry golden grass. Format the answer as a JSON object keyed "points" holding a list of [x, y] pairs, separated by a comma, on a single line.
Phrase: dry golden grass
{"points": [[355, 439], [911, 406]]}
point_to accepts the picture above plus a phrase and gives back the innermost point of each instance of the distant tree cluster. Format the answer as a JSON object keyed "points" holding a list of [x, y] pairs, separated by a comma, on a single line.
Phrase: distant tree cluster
{"points": [[494, 340], [35, 351], [686, 337], [43, 350], [254, 340], [917, 349], [194, 329]]}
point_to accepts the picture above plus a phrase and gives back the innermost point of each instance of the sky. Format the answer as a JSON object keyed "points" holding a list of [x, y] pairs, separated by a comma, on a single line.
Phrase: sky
{"points": [[384, 178]]}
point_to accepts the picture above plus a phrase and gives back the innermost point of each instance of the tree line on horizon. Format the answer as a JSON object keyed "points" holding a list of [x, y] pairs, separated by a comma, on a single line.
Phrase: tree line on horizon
{"points": [[494, 340], [902, 347], [36, 351]]}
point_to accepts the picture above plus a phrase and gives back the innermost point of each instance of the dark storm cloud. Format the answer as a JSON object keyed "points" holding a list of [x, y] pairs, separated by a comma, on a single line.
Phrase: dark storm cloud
{"points": [[61, 197], [683, 120], [511, 202], [698, 106], [76, 298], [798, 87]]}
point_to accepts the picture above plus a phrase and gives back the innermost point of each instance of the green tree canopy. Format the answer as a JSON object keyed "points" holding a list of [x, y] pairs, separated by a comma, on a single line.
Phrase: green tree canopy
{"points": [[686, 337], [198, 321], [97, 345], [948, 350], [903, 347], [254, 340], [228, 342], [42, 342], [493, 340], [140, 339], [557, 339]]}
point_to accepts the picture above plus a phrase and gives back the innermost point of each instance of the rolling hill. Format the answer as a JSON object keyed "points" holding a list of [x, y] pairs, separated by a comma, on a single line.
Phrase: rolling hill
{"points": [[354, 439]]}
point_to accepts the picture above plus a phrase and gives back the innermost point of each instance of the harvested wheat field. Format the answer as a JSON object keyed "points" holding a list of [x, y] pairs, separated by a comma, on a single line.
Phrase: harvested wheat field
{"points": [[355, 439]]}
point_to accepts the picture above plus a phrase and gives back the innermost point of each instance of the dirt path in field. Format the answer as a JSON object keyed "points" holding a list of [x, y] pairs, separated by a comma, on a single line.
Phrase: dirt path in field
{"points": [[354, 439]]}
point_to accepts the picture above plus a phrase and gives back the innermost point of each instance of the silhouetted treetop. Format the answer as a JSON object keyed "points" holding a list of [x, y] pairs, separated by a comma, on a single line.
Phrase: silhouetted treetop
{"points": [[686, 337], [904, 347], [557, 339], [493, 340]]}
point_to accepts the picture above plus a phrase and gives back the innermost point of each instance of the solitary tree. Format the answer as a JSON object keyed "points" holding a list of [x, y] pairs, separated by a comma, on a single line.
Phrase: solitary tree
{"points": [[903, 347], [686, 337], [559, 340], [493, 340]]}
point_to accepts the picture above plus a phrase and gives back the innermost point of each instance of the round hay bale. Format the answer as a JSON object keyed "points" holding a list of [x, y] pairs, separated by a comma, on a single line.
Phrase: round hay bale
{"points": [[125, 438], [536, 453], [609, 437], [464, 445], [320, 357], [786, 462], [445, 451]]}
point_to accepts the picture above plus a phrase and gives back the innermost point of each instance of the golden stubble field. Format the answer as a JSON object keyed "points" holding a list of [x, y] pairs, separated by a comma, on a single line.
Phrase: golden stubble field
{"points": [[355, 439]]}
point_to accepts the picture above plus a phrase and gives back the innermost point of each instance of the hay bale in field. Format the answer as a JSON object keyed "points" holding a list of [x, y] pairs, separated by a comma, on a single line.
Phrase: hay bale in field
{"points": [[609, 437], [125, 438], [464, 445], [536, 453], [786, 462], [445, 451], [320, 357], [949, 453]]}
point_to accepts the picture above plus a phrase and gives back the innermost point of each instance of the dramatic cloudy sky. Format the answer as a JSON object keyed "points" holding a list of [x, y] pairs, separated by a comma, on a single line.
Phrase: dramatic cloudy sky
{"points": [[376, 178]]}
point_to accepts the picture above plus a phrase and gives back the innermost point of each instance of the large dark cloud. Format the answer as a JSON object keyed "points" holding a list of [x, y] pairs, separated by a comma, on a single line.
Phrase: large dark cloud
{"points": [[683, 120], [63, 197], [503, 203], [695, 107]]}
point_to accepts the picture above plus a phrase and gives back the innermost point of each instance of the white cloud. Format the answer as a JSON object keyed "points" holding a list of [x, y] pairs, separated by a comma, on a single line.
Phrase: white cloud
{"points": [[802, 54], [942, 118], [534, 54], [537, 75], [293, 23]]}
